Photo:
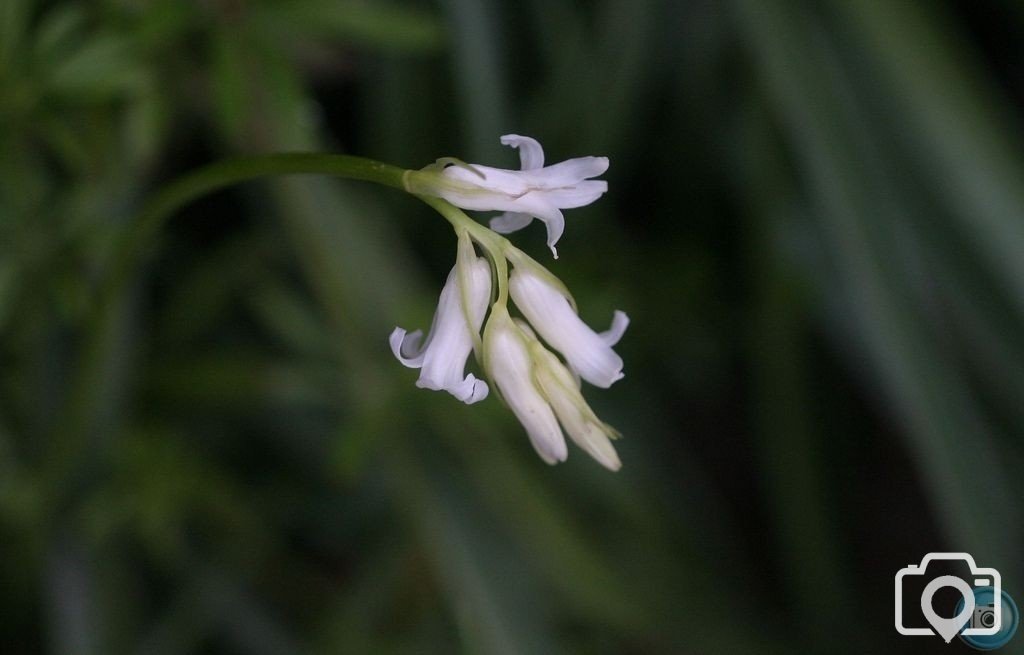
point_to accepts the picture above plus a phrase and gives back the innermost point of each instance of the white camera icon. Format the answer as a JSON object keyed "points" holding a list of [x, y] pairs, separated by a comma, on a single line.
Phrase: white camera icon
{"points": [[986, 620]]}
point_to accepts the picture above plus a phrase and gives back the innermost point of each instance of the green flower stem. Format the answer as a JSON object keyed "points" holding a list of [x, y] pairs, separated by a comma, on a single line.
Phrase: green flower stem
{"points": [[232, 171], [495, 245], [72, 430], [498, 248]]}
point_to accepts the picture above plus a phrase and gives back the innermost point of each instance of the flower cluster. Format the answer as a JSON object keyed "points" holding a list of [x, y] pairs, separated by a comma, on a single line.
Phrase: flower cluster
{"points": [[542, 390]]}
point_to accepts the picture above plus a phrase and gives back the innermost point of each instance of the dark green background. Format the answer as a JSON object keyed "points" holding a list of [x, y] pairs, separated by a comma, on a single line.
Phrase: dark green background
{"points": [[815, 221]]}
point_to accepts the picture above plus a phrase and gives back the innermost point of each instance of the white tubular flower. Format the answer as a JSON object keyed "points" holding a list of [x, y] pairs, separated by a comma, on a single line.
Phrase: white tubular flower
{"points": [[535, 191], [460, 312], [563, 392], [510, 367], [588, 353]]}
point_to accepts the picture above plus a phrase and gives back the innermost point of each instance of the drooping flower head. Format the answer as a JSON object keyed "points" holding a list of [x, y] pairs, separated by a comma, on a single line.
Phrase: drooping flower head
{"points": [[542, 391]]}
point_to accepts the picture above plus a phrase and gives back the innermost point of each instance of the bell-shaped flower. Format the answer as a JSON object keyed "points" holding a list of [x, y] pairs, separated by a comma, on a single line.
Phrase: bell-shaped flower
{"points": [[562, 390], [534, 191], [510, 367], [588, 353], [460, 313]]}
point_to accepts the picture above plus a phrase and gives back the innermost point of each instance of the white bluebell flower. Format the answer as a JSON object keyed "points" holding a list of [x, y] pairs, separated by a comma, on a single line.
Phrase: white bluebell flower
{"points": [[546, 307], [562, 389], [543, 394], [534, 191], [510, 367], [456, 326]]}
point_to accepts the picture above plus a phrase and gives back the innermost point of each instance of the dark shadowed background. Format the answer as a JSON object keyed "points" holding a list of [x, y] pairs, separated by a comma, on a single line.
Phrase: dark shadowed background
{"points": [[815, 221]]}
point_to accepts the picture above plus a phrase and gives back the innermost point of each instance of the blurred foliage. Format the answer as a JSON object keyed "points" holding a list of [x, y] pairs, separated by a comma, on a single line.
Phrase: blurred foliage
{"points": [[816, 222]]}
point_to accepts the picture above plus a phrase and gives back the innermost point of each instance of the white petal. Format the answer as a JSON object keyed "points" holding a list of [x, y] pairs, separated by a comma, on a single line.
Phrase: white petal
{"points": [[566, 173], [551, 315], [578, 195], [484, 185], [555, 226], [469, 390], [563, 392], [510, 222], [536, 204], [406, 347], [620, 322], [478, 391], [442, 359], [510, 368], [585, 433], [541, 192], [531, 155], [597, 444]]}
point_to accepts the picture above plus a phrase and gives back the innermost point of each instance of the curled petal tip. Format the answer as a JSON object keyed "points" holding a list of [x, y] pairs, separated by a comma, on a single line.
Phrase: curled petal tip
{"points": [[620, 321], [531, 154], [478, 391], [556, 226], [470, 390], [404, 346]]}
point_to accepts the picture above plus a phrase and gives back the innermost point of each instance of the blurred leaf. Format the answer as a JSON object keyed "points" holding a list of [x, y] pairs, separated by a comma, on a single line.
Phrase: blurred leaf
{"points": [[949, 437], [96, 70], [352, 624], [57, 32], [625, 32], [232, 83], [238, 381], [245, 622], [490, 596], [595, 75], [71, 596], [212, 603], [385, 26], [184, 624], [790, 438], [290, 319], [567, 558], [9, 287], [68, 142], [957, 125], [477, 57], [161, 491], [14, 20], [145, 122], [201, 297]]}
